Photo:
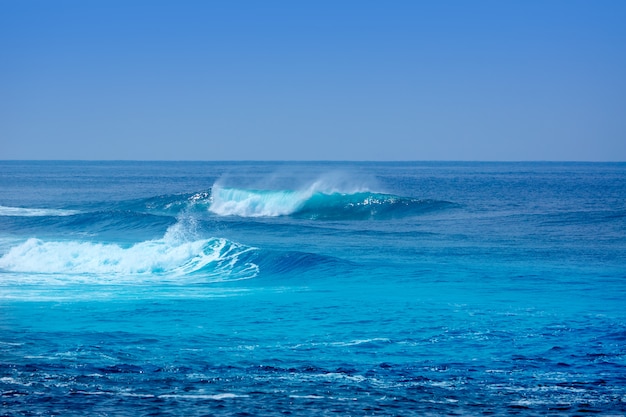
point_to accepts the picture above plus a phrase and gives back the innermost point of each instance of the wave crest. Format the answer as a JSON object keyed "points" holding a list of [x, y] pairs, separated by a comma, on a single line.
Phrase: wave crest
{"points": [[255, 203], [212, 260], [312, 204]]}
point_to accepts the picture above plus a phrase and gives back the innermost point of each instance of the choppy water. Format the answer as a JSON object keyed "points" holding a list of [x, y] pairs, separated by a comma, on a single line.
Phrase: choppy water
{"points": [[165, 288]]}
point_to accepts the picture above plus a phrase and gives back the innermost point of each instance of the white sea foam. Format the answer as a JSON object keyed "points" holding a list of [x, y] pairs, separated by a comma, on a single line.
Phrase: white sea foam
{"points": [[376, 340], [216, 397], [256, 203], [34, 212], [174, 255]]}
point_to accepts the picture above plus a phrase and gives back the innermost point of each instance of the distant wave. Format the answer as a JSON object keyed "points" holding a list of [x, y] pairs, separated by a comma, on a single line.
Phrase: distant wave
{"points": [[364, 205], [34, 212], [314, 204], [173, 256]]}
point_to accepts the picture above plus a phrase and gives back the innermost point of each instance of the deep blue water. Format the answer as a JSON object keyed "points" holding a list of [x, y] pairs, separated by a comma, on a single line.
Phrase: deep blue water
{"points": [[249, 288]]}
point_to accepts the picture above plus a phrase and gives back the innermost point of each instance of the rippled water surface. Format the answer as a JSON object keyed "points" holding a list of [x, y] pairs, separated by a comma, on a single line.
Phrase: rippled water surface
{"points": [[162, 288]]}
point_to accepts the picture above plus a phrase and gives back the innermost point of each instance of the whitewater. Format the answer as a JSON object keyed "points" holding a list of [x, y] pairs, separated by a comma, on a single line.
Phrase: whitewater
{"points": [[334, 288]]}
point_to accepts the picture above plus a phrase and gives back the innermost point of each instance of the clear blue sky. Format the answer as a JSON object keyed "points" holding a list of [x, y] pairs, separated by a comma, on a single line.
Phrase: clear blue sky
{"points": [[308, 80]]}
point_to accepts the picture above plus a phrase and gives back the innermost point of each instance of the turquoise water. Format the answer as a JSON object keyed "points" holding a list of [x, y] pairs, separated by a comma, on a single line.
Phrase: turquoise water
{"points": [[250, 288]]}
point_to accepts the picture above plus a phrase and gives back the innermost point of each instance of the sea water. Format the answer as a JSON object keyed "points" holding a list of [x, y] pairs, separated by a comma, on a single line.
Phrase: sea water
{"points": [[312, 288]]}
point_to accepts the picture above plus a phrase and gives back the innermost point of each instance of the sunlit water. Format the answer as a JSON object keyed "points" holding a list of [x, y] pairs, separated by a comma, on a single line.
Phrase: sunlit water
{"points": [[138, 289]]}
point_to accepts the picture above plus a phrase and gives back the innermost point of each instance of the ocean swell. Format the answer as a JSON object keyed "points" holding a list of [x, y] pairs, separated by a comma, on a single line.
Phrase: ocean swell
{"points": [[316, 205]]}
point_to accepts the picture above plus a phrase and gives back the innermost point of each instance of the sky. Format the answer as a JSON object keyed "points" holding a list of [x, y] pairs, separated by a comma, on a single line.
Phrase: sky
{"points": [[313, 80]]}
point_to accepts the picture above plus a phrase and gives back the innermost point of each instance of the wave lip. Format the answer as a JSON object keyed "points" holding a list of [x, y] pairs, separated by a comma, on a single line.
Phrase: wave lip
{"points": [[316, 205]]}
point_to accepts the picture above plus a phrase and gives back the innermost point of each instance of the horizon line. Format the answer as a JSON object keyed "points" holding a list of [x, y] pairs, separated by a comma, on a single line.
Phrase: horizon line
{"points": [[327, 160]]}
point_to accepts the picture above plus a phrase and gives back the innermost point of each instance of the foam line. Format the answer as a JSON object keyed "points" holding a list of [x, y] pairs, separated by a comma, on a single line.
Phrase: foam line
{"points": [[34, 212]]}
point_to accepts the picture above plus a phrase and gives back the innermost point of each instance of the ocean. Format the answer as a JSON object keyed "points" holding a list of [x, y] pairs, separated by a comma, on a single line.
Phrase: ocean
{"points": [[312, 288]]}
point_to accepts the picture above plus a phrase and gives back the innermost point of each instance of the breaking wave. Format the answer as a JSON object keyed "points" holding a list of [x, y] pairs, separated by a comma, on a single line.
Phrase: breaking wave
{"points": [[173, 256], [312, 204]]}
